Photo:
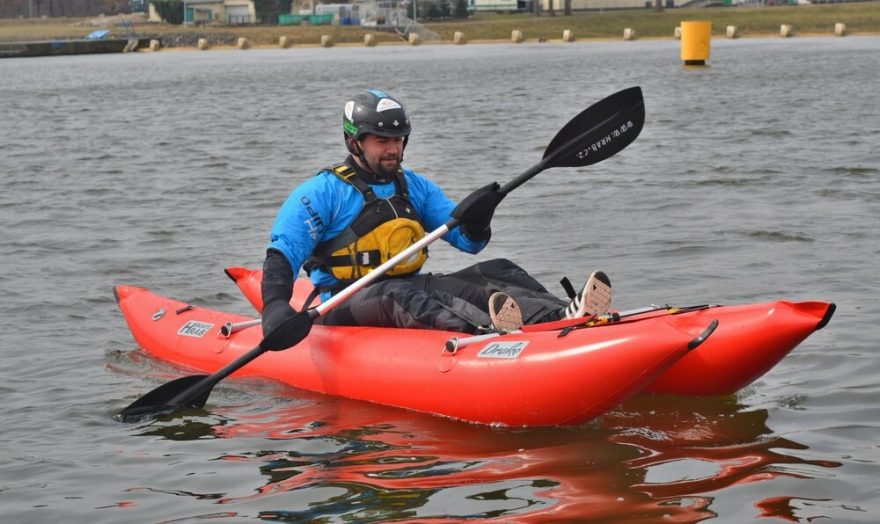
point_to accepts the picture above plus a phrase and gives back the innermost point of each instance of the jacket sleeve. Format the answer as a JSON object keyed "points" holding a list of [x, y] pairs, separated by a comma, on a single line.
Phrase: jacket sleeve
{"points": [[305, 219], [435, 209]]}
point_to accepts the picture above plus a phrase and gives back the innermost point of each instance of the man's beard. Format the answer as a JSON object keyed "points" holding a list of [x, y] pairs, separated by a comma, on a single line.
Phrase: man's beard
{"points": [[383, 171]]}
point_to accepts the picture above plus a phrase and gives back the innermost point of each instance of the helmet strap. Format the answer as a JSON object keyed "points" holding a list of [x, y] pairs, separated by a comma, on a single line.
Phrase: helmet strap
{"points": [[354, 147]]}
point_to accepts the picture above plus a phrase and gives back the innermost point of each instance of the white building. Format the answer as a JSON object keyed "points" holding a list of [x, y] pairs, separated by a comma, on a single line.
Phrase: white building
{"points": [[223, 11]]}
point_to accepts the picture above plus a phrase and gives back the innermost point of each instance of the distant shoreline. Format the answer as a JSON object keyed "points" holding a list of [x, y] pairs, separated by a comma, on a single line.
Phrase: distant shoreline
{"points": [[143, 48], [557, 41], [860, 19]]}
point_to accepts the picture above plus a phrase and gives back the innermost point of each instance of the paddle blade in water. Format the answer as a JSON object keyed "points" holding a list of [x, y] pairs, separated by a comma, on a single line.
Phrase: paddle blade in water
{"points": [[600, 131], [158, 401], [193, 391]]}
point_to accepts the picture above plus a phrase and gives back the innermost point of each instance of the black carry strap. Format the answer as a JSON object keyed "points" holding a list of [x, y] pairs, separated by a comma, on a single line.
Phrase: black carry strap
{"points": [[311, 298], [569, 289]]}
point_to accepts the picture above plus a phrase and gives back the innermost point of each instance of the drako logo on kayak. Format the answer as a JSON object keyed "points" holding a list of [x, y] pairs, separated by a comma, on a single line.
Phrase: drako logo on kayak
{"points": [[503, 350], [605, 140], [194, 328]]}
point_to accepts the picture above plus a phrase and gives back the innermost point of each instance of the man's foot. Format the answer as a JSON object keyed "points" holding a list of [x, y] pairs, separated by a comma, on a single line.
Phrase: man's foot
{"points": [[504, 312], [594, 298]]}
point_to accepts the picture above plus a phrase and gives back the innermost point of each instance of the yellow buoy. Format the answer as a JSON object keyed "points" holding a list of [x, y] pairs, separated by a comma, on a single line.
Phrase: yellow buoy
{"points": [[696, 37]]}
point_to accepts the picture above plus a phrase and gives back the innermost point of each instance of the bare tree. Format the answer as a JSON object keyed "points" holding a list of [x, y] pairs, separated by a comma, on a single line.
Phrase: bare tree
{"points": [[76, 8]]}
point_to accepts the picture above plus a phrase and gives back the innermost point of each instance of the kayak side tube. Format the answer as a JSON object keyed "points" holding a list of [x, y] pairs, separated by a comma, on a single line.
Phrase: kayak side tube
{"points": [[535, 379], [750, 340]]}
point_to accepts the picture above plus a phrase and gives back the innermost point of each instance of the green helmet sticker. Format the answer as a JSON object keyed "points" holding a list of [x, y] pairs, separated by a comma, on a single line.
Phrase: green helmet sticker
{"points": [[350, 128]]}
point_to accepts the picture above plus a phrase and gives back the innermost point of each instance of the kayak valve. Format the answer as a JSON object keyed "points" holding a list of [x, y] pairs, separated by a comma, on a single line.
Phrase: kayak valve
{"points": [[455, 343], [231, 327]]}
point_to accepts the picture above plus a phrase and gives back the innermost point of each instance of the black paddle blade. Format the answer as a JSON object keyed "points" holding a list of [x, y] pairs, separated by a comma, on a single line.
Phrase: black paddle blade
{"points": [[159, 401], [193, 391], [600, 131]]}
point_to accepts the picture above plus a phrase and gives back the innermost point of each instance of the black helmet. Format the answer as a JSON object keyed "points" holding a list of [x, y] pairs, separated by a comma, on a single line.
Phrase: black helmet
{"points": [[377, 113]]}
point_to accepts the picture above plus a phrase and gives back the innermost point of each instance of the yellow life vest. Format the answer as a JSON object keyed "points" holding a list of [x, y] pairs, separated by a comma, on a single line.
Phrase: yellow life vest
{"points": [[384, 228]]}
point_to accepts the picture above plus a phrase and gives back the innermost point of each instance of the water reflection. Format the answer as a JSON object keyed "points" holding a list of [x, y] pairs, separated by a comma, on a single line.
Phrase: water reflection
{"points": [[651, 458], [699, 446]]}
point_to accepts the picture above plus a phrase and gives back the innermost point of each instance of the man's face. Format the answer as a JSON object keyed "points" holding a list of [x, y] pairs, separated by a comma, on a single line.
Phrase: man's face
{"points": [[383, 154]]}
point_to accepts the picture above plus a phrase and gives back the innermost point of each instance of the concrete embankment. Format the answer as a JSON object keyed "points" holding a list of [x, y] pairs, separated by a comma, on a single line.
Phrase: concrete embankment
{"points": [[71, 47]]}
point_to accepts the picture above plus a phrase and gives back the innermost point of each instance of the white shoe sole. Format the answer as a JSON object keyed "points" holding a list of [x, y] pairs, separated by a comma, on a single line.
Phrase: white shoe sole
{"points": [[504, 312], [594, 298]]}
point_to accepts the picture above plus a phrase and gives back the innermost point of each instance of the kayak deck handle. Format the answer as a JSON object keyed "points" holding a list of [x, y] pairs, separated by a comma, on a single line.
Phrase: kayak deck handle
{"points": [[827, 317], [703, 336]]}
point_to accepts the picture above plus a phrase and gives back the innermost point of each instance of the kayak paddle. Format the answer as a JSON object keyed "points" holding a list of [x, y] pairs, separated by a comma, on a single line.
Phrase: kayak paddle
{"points": [[193, 390], [597, 133]]}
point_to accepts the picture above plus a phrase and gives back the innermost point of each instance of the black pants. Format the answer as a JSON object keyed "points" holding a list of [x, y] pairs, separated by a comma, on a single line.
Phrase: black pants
{"points": [[455, 302]]}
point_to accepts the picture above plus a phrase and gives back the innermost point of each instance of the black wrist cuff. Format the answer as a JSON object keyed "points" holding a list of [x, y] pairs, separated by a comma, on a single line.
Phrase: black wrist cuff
{"points": [[277, 278]]}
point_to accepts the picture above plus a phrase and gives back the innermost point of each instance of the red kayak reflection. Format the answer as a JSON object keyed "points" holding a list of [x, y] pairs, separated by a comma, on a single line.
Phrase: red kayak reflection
{"points": [[653, 458]]}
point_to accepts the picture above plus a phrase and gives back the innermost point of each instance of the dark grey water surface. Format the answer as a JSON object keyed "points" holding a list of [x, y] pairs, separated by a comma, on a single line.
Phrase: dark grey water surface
{"points": [[755, 179]]}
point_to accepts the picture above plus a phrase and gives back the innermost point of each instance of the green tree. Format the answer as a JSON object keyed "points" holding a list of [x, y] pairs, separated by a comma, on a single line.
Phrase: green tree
{"points": [[170, 10], [268, 10], [461, 9]]}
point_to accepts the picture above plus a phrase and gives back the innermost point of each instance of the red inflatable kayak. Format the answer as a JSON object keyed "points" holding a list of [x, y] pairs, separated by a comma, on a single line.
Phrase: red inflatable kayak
{"points": [[749, 341], [526, 379]]}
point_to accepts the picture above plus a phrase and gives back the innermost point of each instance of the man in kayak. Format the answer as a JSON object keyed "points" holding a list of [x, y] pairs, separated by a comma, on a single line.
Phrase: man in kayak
{"points": [[353, 216]]}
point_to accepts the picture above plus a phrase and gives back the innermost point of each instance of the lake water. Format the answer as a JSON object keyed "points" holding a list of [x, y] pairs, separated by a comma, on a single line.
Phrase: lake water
{"points": [[756, 178]]}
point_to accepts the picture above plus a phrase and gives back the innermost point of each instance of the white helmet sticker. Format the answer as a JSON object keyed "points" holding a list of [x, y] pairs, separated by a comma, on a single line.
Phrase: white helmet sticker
{"points": [[349, 109], [386, 104]]}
